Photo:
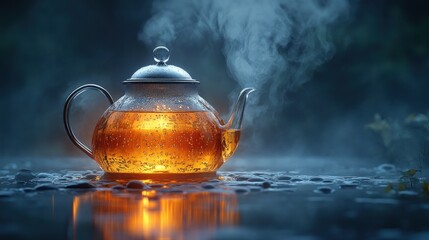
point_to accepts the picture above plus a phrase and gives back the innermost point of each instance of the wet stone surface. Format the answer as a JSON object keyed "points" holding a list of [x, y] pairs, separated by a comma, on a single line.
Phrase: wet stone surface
{"points": [[316, 179], [24, 175], [136, 184], [285, 204]]}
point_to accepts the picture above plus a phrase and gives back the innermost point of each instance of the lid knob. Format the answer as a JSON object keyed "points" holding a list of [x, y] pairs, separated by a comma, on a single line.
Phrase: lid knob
{"points": [[161, 55]]}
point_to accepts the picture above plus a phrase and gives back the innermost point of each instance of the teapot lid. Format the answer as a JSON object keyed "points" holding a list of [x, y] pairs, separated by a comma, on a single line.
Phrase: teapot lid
{"points": [[161, 72]]}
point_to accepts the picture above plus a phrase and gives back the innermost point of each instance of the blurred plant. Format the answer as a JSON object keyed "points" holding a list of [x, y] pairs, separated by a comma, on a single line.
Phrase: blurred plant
{"points": [[425, 187], [409, 182], [404, 141], [409, 177], [383, 128]]}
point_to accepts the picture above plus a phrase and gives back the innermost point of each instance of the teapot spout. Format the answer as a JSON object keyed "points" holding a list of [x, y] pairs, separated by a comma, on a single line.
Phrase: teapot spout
{"points": [[236, 118]]}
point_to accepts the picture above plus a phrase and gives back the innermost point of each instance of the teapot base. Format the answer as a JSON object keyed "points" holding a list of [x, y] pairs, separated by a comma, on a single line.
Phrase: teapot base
{"points": [[160, 177]]}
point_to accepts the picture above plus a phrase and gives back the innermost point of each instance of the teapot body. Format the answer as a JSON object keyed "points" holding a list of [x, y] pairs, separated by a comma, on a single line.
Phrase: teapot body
{"points": [[161, 125], [162, 129]]}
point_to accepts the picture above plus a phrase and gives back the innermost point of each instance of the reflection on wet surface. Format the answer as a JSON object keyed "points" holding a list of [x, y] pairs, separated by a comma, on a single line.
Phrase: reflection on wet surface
{"points": [[147, 215], [375, 203]]}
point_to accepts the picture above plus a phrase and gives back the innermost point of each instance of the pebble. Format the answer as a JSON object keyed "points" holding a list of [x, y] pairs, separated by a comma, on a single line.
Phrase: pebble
{"points": [[256, 180], [45, 175], [348, 186], [42, 180], [6, 193], [325, 190], [264, 175], [316, 179], [362, 179], [107, 184], [208, 186], [241, 190], [28, 189], [83, 185], [136, 184], [24, 175], [118, 187], [88, 172], [408, 194], [242, 178], [213, 180], [259, 173], [45, 187], [74, 174], [91, 176], [266, 184]]}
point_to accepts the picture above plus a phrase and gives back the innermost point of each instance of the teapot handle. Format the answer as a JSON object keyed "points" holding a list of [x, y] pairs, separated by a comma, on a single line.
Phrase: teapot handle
{"points": [[66, 114]]}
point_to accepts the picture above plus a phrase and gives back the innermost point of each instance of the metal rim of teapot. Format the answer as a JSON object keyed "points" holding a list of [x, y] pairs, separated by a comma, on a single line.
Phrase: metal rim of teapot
{"points": [[159, 80]]}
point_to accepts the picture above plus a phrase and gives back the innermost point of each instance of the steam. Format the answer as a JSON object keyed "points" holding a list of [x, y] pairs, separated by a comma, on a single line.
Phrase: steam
{"points": [[272, 46]]}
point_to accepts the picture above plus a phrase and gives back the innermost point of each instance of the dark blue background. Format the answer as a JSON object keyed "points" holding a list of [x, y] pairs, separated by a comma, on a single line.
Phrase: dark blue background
{"points": [[48, 48]]}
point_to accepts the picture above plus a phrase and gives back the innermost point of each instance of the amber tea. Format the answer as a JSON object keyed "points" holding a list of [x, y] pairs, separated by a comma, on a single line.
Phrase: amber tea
{"points": [[162, 142]]}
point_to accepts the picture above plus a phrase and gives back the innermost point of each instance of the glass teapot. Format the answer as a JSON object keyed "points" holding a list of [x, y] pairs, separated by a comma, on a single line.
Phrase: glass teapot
{"points": [[161, 125]]}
